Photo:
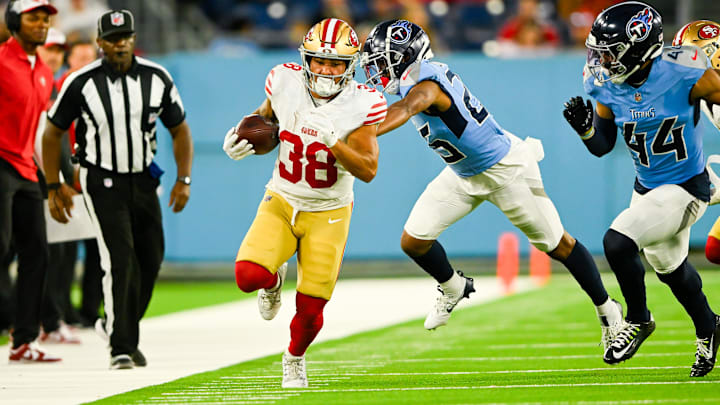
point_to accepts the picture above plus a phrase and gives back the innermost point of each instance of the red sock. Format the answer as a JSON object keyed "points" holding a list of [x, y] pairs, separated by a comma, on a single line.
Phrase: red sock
{"points": [[306, 324], [250, 276], [712, 249]]}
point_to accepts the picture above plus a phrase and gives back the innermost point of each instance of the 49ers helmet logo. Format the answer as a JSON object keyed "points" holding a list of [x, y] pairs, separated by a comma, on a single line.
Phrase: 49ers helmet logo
{"points": [[640, 25], [400, 32], [309, 35], [353, 39], [708, 31]]}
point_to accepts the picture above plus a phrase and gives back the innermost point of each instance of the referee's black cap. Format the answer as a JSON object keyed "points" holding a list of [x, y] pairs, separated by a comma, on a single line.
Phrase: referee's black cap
{"points": [[116, 22]]}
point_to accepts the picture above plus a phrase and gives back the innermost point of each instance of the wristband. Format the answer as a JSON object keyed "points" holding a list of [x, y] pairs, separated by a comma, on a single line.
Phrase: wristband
{"points": [[587, 135], [53, 186]]}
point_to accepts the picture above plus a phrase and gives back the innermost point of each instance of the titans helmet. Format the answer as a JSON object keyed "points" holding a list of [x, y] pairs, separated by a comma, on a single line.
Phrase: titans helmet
{"points": [[621, 39], [391, 48]]}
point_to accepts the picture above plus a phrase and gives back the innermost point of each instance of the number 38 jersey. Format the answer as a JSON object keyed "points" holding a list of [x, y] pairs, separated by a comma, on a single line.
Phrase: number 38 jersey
{"points": [[466, 136], [306, 173], [656, 119]]}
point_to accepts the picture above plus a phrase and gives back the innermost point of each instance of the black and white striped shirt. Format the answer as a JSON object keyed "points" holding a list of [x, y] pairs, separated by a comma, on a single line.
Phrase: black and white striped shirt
{"points": [[116, 113]]}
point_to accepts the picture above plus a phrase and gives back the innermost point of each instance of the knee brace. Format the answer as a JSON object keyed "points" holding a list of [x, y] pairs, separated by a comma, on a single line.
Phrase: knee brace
{"points": [[251, 276]]}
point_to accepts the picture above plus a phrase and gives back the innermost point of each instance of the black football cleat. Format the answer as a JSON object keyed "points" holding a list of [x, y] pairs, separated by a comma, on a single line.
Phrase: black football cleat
{"points": [[628, 341], [706, 352]]}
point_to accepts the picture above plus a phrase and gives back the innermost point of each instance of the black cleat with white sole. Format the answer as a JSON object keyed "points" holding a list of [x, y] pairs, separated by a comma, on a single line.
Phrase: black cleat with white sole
{"points": [[628, 341], [706, 353]]}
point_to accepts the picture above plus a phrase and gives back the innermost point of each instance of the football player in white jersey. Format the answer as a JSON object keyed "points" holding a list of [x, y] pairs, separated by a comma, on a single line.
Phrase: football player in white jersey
{"points": [[706, 35], [328, 124]]}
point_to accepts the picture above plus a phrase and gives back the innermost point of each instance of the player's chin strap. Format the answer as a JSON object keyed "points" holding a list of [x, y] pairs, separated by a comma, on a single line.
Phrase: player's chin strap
{"points": [[714, 179]]}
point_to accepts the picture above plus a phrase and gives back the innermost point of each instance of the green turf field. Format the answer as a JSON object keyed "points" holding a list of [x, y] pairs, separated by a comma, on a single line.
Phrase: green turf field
{"points": [[538, 347]]}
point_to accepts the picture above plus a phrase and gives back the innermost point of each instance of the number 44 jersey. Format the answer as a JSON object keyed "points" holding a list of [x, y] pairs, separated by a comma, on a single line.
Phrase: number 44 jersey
{"points": [[306, 173], [656, 120]]}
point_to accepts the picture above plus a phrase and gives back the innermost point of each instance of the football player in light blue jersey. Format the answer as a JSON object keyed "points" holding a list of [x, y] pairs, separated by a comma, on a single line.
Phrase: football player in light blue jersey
{"points": [[652, 95], [484, 163]]}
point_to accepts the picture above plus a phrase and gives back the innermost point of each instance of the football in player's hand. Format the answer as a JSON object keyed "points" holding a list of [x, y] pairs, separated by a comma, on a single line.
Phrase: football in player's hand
{"points": [[260, 132]]}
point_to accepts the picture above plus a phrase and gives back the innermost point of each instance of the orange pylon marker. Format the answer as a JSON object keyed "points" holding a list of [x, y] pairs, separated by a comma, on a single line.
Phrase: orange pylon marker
{"points": [[508, 261], [540, 266]]}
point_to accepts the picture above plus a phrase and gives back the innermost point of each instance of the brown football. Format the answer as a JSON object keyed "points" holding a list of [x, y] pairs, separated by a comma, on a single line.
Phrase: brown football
{"points": [[260, 132]]}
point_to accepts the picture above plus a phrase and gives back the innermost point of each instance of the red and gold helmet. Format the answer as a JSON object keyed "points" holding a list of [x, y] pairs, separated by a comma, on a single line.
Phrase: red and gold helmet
{"points": [[331, 38], [705, 35]]}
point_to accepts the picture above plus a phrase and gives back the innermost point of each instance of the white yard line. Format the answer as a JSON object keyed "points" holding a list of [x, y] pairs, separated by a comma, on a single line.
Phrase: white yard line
{"points": [[205, 339], [270, 393], [559, 370]]}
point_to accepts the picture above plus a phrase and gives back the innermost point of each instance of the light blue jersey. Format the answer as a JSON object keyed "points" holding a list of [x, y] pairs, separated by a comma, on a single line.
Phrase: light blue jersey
{"points": [[466, 136], [656, 120]]}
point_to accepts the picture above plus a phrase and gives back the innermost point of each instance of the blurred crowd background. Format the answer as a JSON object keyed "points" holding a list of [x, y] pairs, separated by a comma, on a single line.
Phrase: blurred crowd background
{"points": [[498, 28]]}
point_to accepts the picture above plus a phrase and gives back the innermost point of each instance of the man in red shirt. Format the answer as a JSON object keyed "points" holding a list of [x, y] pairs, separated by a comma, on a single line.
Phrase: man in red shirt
{"points": [[25, 88], [526, 28]]}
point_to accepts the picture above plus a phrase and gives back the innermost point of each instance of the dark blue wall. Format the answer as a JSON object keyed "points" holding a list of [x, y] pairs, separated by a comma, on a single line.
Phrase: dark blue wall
{"points": [[525, 96]]}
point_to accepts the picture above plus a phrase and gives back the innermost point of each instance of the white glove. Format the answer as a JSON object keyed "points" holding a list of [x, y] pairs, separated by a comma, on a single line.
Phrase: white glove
{"points": [[237, 151], [714, 179], [323, 125]]}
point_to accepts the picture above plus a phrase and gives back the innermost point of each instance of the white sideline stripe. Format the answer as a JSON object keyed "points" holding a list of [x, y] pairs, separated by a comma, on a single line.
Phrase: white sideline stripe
{"points": [[608, 368], [205, 339]]}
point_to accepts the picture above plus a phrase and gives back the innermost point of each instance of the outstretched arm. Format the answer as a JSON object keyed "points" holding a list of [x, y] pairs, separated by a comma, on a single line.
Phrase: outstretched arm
{"points": [[421, 97]]}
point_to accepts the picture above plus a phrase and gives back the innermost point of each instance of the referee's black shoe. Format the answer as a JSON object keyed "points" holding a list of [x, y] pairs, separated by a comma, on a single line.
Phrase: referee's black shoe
{"points": [[121, 362], [706, 352], [628, 341], [138, 359]]}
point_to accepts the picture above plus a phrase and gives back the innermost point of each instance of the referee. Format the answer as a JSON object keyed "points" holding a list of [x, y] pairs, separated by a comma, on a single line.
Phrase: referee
{"points": [[116, 101]]}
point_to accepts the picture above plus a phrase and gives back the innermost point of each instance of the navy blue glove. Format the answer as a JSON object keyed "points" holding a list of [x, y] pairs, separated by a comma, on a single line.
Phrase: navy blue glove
{"points": [[579, 115]]}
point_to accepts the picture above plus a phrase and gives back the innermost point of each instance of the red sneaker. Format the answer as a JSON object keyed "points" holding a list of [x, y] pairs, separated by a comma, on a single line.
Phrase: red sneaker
{"points": [[30, 353]]}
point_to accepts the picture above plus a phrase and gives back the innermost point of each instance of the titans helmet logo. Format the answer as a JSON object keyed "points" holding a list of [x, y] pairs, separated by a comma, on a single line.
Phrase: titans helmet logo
{"points": [[638, 28], [400, 32]]}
